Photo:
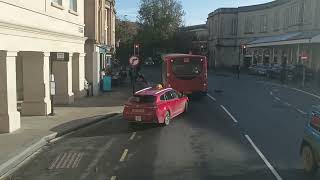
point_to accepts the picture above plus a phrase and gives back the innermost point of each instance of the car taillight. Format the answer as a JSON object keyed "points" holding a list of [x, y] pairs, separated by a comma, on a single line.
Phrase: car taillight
{"points": [[315, 122]]}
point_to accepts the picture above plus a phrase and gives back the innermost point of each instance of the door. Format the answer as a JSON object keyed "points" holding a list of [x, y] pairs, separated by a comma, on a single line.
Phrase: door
{"points": [[179, 103], [171, 103]]}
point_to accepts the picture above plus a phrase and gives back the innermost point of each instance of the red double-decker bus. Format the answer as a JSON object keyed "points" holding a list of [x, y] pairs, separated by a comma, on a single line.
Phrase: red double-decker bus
{"points": [[185, 73]]}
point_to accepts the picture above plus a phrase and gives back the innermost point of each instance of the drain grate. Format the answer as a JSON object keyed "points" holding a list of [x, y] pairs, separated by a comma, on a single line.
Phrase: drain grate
{"points": [[67, 160]]}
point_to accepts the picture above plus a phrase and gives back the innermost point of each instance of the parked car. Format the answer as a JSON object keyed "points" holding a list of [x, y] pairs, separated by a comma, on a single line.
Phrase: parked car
{"points": [[310, 147], [274, 72], [155, 105], [149, 61], [253, 69]]}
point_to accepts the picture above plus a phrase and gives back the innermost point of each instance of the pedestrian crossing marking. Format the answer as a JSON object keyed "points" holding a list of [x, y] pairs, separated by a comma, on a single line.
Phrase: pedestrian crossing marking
{"points": [[67, 160]]}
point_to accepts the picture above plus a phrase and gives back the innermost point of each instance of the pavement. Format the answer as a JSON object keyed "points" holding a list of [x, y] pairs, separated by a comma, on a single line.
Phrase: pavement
{"points": [[245, 129], [37, 131]]}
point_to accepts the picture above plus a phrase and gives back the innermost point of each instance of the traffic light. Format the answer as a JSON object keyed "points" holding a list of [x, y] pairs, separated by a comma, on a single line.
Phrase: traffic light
{"points": [[244, 49]]}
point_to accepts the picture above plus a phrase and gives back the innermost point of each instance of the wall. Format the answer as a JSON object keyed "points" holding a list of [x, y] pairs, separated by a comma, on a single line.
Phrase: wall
{"points": [[47, 28]]}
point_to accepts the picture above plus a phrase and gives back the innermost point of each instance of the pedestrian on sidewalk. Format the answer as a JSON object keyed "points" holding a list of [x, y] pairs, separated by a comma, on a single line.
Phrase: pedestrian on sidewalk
{"points": [[102, 74]]}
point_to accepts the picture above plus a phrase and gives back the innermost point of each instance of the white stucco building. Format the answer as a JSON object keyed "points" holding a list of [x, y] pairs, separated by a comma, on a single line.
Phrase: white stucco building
{"points": [[39, 38]]}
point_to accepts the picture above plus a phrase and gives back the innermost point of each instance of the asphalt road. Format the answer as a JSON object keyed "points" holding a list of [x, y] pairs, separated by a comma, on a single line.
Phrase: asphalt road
{"points": [[247, 129]]}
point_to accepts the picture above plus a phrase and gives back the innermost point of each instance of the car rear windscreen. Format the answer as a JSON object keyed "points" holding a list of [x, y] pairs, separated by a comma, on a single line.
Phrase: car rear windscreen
{"points": [[187, 66], [143, 99]]}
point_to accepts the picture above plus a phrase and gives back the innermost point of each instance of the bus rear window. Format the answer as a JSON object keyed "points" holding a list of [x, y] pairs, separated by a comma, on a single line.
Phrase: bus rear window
{"points": [[187, 66], [143, 99]]}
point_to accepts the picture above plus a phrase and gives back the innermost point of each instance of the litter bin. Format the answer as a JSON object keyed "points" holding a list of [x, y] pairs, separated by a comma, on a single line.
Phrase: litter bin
{"points": [[106, 86]]}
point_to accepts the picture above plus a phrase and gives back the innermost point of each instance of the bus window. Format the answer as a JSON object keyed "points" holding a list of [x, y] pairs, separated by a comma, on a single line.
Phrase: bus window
{"points": [[190, 67], [164, 71]]}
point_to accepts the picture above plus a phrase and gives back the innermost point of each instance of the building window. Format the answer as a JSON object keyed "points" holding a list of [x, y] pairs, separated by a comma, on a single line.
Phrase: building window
{"points": [[73, 5], [286, 19], [263, 23], [276, 21], [234, 27], [59, 2], [249, 24]]}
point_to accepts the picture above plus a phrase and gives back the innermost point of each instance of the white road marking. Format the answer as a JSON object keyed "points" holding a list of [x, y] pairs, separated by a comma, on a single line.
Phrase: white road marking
{"points": [[234, 119], [133, 135], [271, 93], [113, 178], [277, 98], [272, 169], [73, 158], [211, 97], [61, 160], [299, 90], [302, 112], [124, 154], [77, 161], [67, 160], [98, 157], [54, 163]]}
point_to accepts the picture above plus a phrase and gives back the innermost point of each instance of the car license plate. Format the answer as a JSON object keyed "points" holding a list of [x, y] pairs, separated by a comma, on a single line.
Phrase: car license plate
{"points": [[138, 110], [138, 118]]}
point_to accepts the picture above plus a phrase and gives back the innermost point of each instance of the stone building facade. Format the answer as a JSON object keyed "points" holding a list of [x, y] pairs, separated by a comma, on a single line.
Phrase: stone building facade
{"points": [[281, 31], [100, 45]]}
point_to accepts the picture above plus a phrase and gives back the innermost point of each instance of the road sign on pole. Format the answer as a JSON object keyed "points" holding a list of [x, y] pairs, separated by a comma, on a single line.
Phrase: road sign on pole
{"points": [[134, 61]]}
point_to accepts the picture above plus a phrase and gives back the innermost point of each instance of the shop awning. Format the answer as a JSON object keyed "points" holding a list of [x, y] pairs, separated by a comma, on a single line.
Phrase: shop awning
{"points": [[286, 39]]}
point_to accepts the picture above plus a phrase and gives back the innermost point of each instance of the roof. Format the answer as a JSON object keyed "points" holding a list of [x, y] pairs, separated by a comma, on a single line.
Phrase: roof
{"points": [[249, 8], [177, 55], [195, 27], [288, 38], [151, 91]]}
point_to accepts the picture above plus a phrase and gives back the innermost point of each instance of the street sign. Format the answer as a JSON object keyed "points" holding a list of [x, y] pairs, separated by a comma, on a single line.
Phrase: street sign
{"points": [[59, 56], [52, 88], [134, 61]]}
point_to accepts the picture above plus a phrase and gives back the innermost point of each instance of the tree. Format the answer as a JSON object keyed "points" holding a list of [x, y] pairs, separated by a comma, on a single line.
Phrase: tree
{"points": [[126, 32], [160, 19]]}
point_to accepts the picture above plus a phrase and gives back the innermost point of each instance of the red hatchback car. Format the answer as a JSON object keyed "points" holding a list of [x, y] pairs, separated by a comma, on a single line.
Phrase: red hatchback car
{"points": [[155, 105]]}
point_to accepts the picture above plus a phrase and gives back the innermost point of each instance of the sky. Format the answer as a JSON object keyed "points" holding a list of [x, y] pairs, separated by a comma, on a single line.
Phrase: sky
{"points": [[196, 10]]}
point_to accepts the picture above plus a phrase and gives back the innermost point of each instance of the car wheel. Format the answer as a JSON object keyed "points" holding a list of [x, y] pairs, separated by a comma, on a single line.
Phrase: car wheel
{"points": [[186, 107], [309, 162], [167, 118]]}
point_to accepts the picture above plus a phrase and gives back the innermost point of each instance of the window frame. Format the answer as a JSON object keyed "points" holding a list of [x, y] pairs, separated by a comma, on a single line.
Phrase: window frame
{"points": [[73, 3], [57, 4], [167, 97]]}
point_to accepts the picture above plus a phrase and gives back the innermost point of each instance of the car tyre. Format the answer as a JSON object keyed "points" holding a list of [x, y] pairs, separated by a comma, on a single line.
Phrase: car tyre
{"points": [[167, 119], [309, 162], [186, 107]]}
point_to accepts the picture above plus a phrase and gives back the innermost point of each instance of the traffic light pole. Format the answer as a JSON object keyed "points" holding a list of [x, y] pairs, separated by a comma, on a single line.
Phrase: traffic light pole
{"points": [[239, 56]]}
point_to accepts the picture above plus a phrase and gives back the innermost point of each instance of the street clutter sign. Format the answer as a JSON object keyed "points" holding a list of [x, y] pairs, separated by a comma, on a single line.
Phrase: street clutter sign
{"points": [[52, 85], [134, 61], [304, 56], [59, 56]]}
